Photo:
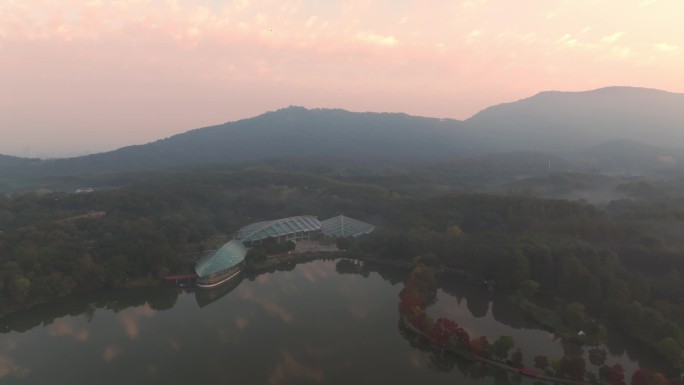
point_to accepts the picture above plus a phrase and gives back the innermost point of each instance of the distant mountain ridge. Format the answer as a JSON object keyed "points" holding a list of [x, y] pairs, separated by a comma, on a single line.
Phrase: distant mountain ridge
{"points": [[558, 123], [289, 132], [555, 121]]}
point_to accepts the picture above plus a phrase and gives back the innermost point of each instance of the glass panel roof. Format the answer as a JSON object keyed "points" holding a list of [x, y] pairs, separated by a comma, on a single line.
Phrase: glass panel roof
{"points": [[275, 228], [341, 226], [227, 256]]}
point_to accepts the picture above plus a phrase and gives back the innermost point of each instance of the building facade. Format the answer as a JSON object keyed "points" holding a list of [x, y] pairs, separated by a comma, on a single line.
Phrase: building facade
{"points": [[222, 265]]}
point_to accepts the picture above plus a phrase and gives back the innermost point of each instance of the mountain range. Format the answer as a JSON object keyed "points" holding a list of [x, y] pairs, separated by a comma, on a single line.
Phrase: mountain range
{"points": [[649, 122]]}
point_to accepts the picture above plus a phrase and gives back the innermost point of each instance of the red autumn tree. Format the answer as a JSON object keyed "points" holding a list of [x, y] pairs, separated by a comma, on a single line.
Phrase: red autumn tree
{"points": [[419, 319], [541, 362], [409, 300], [576, 368], [480, 346], [517, 358], [641, 377], [462, 338], [616, 375], [444, 331]]}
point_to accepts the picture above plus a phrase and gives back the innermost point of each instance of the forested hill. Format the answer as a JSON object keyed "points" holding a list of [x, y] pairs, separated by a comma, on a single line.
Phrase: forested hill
{"points": [[574, 121], [289, 132], [555, 123], [10, 161]]}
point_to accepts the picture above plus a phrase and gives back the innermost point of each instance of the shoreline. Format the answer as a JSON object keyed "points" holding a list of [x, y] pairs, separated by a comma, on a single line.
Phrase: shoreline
{"points": [[473, 357]]}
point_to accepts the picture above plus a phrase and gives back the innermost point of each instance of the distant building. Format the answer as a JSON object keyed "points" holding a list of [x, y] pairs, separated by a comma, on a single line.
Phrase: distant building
{"points": [[227, 262], [341, 226], [222, 265], [286, 229], [304, 227], [85, 190]]}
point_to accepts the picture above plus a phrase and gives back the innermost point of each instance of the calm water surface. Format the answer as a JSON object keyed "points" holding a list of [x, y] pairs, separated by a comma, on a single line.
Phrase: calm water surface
{"points": [[309, 325]]}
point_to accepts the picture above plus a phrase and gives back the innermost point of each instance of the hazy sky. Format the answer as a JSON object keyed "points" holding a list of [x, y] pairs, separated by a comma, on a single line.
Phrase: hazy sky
{"points": [[88, 76]]}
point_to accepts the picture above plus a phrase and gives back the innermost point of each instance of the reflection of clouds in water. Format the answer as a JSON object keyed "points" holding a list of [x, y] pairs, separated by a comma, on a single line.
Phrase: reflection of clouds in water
{"points": [[225, 337], [10, 368], [459, 310], [269, 306], [312, 272], [174, 344], [241, 323], [9, 345], [358, 312], [110, 352], [152, 371], [129, 319], [308, 274], [289, 288], [144, 310], [415, 361], [289, 368], [263, 278], [130, 325], [65, 327], [317, 351]]}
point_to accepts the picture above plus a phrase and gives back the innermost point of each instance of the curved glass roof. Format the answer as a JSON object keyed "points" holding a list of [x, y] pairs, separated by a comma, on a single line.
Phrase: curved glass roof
{"points": [[275, 228], [229, 255], [341, 226]]}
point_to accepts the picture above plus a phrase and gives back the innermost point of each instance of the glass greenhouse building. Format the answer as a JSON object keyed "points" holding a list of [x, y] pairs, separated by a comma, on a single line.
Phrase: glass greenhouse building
{"points": [[286, 229], [304, 227], [219, 267], [341, 226]]}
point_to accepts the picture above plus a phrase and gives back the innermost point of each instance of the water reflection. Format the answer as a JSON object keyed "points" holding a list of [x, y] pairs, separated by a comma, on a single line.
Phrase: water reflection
{"points": [[65, 327], [490, 307], [478, 300], [206, 297], [441, 361], [85, 305], [10, 368], [129, 319], [110, 352], [289, 369], [327, 322]]}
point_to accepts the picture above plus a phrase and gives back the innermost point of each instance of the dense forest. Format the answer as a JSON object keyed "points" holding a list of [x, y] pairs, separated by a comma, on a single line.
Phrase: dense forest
{"points": [[569, 265]]}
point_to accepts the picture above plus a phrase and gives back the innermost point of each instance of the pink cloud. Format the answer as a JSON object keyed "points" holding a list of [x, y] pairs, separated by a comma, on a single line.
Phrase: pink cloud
{"points": [[135, 71]]}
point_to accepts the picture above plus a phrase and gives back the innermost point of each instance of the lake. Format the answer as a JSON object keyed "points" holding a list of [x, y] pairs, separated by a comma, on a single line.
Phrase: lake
{"points": [[310, 323]]}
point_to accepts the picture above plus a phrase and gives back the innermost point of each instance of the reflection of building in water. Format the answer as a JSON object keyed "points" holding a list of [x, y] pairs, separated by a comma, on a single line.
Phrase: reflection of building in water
{"points": [[207, 296], [221, 266], [304, 227]]}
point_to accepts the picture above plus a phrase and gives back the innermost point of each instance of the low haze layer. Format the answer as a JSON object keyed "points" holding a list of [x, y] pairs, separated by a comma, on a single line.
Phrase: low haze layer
{"points": [[82, 77]]}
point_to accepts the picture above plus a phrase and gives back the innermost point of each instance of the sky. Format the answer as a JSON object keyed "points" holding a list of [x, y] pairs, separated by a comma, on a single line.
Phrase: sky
{"points": [[80, 77]]}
